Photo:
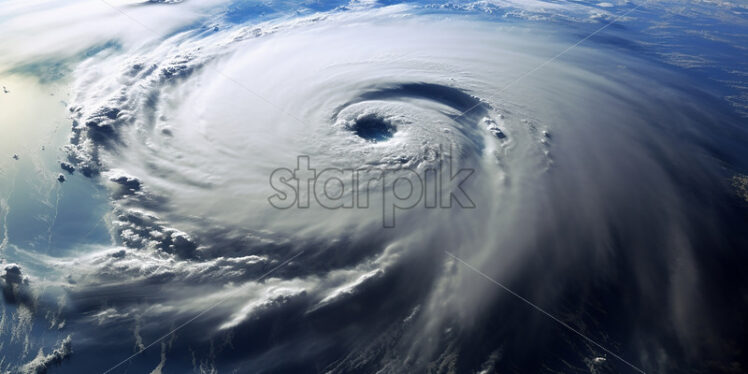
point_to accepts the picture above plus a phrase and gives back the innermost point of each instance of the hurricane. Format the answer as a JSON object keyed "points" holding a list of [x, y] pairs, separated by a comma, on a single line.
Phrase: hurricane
{"points": [[373, 187]]}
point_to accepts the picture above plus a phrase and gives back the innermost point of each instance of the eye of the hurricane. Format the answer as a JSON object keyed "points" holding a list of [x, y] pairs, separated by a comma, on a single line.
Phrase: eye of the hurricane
{"points": [[373, 128]]}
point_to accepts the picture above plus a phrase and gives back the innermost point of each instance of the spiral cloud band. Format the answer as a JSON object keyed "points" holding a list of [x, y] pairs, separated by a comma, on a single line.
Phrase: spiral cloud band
{"points": [[297, 179]]}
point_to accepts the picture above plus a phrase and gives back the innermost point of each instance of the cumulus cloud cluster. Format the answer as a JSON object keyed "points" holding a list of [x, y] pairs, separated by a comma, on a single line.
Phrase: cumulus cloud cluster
{"points": [[15, 285], [42, 363]]}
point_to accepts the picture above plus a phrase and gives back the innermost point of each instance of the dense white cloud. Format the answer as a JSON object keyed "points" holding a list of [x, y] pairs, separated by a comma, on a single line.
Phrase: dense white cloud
{"points": [[185, 126], [42, 363]]}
